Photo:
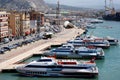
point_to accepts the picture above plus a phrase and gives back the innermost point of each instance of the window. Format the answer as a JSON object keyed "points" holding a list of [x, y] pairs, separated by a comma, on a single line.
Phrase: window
{"points": [[0, 20], [44, 60], [5, 24], [59, 66]]}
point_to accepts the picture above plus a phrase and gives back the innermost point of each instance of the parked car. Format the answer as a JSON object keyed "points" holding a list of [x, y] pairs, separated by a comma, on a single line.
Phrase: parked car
{"points": [[2, 51], [19, 44], [10, 47], [33, 39], [7, 48], [6, 40], [24, 42], [36, 39], [14, 46], [47, 35], [29, 41]]}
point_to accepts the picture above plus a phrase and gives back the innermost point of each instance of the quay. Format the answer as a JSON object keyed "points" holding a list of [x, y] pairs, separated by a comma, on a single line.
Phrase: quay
{"points": [[9, 60]]}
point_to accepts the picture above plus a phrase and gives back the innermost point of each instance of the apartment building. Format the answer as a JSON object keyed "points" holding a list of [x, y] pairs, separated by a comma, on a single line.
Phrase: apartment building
{"points": [[3, 25], [39, 17], [25, 23], [36, 15], [15, 24]]}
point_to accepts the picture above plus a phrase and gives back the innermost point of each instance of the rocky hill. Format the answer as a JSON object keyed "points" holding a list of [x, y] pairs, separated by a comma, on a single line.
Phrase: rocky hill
{"points": [[23, 4]]}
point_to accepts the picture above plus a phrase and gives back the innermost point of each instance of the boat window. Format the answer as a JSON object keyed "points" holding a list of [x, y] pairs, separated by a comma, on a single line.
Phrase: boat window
{"points": [[54, 66], [62, 51], [78, 42], [111, 40], [72, 63], [88, 51], [39, 66], [44, 60], [72, 67], [28, 72], [70, 42], [63, 48]]}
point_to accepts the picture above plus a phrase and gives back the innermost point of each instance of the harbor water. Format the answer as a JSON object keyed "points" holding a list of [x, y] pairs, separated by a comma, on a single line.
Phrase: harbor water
{"points": [[109, 68]]}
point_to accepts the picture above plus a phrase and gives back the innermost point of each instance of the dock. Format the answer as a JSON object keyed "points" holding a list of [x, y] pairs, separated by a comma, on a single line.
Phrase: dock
{"points": [[11, 68], [9, 60]]}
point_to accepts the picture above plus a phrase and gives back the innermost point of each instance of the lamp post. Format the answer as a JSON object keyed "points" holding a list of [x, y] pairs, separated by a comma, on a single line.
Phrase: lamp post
{"points": [[58, 13]]}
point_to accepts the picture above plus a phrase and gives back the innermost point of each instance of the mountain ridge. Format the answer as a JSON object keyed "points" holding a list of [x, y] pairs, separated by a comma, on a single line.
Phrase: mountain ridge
{"points": [[23, 5], [66, 7]]}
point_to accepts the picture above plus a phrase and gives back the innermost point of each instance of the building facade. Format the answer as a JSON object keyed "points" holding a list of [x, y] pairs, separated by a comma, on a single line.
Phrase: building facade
{"points": [[25, 23], [3, 25], [33, 26], [39, 17], [15, 24]]}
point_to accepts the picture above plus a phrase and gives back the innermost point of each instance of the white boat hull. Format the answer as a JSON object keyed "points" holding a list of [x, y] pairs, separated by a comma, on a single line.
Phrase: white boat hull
{"points": [[61, 73]]}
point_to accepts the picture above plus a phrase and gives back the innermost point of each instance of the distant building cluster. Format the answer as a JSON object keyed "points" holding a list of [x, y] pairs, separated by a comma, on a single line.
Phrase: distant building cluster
{"points": [[15, 24]]}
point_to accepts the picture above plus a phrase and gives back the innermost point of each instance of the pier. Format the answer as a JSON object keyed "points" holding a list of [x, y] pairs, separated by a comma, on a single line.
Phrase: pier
{"points": [[9, 60]]}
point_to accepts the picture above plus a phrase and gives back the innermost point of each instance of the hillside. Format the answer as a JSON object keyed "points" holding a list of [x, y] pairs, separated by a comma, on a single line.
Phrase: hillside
{"points": [[66, 7], [23, 4]]}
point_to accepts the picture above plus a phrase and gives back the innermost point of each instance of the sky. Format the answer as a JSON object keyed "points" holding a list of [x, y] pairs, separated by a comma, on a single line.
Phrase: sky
{"points": [[85, 3]]}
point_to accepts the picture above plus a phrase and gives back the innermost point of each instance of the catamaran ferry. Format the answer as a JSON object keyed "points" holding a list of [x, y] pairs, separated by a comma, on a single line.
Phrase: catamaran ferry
{"points": [[50, 67]]}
